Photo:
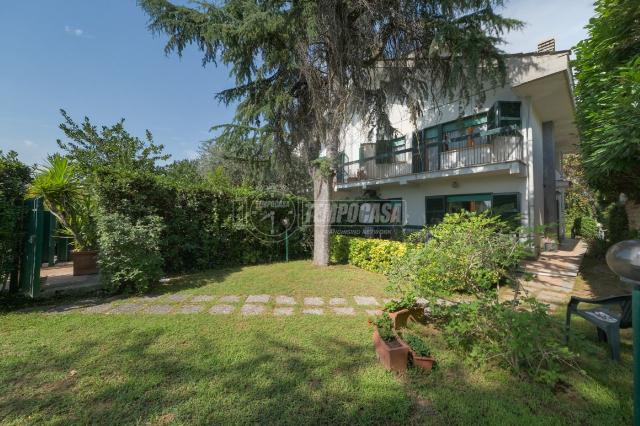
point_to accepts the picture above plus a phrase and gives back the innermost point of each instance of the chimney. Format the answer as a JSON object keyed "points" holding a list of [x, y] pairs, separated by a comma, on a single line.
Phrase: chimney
{"points": [[548, 45]]}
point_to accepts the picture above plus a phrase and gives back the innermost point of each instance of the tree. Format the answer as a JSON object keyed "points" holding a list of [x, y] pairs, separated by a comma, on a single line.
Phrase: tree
{"points": [[255, 163], [607, 98], [94, 150], [64, 195], [304, 69]]}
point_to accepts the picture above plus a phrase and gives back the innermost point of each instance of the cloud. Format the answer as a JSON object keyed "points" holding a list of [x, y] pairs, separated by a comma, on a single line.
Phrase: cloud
{"points": [[28, 143], [76, 32]]}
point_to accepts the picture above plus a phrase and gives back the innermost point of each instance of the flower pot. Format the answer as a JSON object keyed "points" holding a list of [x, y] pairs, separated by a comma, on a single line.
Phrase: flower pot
{"points": [[393, 355], [85, 262], [401, 317], [423, 362]]}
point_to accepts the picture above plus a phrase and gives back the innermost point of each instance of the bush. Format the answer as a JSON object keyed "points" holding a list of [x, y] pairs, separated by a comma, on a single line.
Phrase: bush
{"points": [[470, 253], [617, 223], [367, 253], [587, 228], [14, 178], [204, 227], [521, 337], [129, 255]]}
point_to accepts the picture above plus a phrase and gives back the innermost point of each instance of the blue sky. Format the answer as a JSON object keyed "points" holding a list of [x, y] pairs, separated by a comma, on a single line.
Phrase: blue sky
{"points": [[97, 59]]}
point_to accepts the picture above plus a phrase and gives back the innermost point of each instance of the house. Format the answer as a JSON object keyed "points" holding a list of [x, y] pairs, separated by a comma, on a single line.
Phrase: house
{"points": [[504, 154]]}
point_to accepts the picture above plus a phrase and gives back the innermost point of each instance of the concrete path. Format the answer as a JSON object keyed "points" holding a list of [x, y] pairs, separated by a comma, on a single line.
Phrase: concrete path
{"points": [[554, 273]]}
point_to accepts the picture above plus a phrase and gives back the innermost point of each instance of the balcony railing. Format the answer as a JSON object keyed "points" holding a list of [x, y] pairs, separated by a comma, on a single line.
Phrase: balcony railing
{"points": [[488, 147]]}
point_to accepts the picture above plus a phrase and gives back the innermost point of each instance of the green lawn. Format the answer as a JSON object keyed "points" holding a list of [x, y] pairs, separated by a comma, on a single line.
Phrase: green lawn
{"points": [[199, 368]]}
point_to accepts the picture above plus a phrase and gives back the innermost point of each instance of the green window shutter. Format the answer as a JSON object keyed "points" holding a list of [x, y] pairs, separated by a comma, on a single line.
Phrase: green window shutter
{"points": [[507, 206], [434, 209]]}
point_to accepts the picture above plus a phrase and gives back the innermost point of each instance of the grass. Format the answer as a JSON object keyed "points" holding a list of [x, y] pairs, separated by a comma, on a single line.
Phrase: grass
{"points": [[183, 369]]}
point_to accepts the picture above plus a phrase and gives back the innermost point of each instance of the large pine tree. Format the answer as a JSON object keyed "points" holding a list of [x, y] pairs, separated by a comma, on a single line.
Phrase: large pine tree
{"points": [[305, 68]]}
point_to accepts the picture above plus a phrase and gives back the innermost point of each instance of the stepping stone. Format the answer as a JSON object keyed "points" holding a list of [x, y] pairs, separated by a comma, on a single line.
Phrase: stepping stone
{"points": [[258, 298], [230, 299], [221, 309], [252, 309], [283, 311], [60, 309], [336, 301], [285, 300], [150, 298], [313, 311], [373, 312], [190, 309], [126, 308], [98, 309], [366, 301], [313, 301], [202, 298], [178, 297], [158, 309], [344, 311]]}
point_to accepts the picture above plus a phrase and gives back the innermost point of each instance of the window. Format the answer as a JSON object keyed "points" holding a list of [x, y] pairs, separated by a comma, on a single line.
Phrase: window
{"points": [[505, 205], [435, 209], [463, 133], [474, 203], [504, 114], [386, 150]]}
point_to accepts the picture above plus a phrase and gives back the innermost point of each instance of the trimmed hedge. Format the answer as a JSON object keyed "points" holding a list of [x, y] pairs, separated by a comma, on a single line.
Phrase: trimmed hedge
{"points": [[203, 227], [367, 253]]}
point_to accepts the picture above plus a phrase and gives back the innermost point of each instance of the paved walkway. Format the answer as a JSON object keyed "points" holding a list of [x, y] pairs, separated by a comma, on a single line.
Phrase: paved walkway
{"points": [[554, 273], [59, 280], [256, 304]]}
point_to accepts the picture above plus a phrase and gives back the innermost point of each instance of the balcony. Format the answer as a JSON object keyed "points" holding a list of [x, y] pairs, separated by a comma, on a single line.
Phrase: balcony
{"points": [[494, 146]]}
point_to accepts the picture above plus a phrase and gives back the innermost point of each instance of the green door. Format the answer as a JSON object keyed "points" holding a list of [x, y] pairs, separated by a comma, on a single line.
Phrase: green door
{"points": [[32, 256]]}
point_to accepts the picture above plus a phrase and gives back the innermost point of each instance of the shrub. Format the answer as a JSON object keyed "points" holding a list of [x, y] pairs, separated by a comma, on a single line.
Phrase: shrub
{"points": [[521, 337], [129, 255], [588, 228], [468, 252], [14, 177], [204, 227], [367, 253], [617, 223]]}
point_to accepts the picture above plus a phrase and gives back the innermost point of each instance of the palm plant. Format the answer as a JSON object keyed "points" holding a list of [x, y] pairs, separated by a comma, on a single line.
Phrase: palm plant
{"points": [[64, 195]]}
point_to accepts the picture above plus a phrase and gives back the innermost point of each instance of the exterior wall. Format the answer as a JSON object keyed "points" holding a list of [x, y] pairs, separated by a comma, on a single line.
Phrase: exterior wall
{"points": [[530, 187], [413, 195]]}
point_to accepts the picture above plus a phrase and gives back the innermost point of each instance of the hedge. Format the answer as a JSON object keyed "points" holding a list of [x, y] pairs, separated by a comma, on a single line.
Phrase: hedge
{"points": [[14, 178], [367, 253], [203, 227]]}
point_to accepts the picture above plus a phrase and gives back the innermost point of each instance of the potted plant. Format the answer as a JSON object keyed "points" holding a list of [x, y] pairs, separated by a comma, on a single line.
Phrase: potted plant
{"points": [[400, 310], [392, 352], [419, 349], [64, 195]]}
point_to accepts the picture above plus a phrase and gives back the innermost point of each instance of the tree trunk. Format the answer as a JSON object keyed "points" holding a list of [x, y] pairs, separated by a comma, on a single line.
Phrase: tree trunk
{"points": [[322, 189]]}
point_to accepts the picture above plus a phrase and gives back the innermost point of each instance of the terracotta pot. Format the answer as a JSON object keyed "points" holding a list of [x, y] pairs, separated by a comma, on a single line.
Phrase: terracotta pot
{"points": [[424, 362], [85, 262], [401, 317], [393, 355]]}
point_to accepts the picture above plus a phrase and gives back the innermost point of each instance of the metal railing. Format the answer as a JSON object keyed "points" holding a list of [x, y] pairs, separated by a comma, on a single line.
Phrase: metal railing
{"points": [[488, 147]]}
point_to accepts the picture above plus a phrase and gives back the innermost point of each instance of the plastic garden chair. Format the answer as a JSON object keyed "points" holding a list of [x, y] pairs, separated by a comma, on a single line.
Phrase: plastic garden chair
{"points": [[607, 322]]}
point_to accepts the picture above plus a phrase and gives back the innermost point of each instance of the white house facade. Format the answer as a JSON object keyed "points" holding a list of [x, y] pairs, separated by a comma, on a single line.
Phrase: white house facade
{"points": [[503, 154]]}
